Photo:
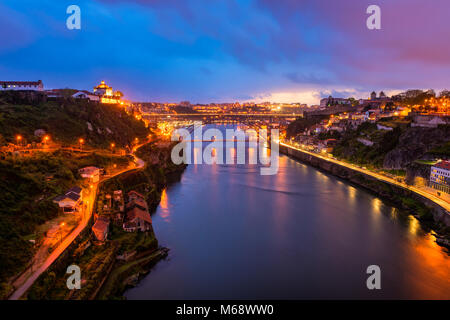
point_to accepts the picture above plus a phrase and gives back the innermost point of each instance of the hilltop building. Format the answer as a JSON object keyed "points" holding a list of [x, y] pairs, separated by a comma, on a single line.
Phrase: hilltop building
{"points": [[22, 85], [107, 95], [330, 102], [86, 95]]}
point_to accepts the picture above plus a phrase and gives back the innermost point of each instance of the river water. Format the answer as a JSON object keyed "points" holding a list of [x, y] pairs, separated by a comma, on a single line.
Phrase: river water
{"points": [[299, 234]]}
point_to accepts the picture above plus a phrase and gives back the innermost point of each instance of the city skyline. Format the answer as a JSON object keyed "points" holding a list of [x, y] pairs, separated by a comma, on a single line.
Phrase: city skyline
{"points": [[228, 50]]}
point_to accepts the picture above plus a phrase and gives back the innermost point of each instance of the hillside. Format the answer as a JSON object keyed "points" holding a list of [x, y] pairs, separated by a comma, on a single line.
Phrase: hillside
{"points": [[28, 183], [66, 120], [393, 150], [369, 146]]}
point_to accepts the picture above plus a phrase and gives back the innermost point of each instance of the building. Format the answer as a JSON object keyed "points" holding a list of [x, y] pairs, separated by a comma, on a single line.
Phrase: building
{"points": [[133, 195], [103, 89], [330, 102], [137, 220], [107, 95], [137, 217], [86, 95], [91, 173], [101, 228], [440, 176], [373, 95], [69, 201], [140, 203], [22, 85], [118, 198]]}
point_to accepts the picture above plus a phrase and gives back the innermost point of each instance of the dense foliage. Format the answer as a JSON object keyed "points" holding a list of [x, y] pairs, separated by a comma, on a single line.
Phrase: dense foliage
{"points": [[348, 147], [28, 186], [67, 120]]}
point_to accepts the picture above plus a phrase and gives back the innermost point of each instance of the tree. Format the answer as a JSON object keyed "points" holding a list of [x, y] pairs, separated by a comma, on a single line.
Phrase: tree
{"points": [[444, 94]]}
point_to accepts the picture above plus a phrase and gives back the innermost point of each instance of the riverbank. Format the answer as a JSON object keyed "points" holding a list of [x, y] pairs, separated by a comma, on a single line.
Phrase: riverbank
{"points": [[98, 262], [431, 214]]}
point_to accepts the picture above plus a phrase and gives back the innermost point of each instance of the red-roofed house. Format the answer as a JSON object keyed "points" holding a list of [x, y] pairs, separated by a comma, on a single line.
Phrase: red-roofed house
{"points": [[137, 219], [101, 228], [132, 195], [140, 203]]}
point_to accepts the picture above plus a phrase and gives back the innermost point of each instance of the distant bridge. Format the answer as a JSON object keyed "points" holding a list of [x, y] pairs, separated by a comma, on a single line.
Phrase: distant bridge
{"points": [[238, 115]]}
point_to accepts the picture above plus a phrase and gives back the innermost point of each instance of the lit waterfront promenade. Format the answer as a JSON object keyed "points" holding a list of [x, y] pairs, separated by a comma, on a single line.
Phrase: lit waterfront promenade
{"points": [[441, 202]]}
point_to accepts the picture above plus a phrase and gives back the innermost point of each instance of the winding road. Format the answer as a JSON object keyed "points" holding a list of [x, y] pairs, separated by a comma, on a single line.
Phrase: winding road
{"points": [[36, 271]]}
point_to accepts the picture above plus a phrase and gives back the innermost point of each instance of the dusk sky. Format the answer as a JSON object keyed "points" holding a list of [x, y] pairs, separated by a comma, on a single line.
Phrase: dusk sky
{"points": [[228, 50]]}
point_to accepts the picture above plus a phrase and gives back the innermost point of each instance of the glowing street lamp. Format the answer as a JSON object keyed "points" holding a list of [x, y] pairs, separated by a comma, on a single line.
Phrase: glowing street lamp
{"points": [[46, 139], [19, 139], [81, 141]]}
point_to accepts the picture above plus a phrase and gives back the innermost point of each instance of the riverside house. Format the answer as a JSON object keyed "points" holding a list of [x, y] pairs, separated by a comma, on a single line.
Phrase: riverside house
{"points": [[137, 217]]}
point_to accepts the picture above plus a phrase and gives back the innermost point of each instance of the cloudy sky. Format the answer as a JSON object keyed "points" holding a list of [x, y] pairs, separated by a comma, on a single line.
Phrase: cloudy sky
{"points": [[228, 50]]}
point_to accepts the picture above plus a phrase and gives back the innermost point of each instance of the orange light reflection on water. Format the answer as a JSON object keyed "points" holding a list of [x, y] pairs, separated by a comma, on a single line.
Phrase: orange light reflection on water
{"points": [[164, 205]]}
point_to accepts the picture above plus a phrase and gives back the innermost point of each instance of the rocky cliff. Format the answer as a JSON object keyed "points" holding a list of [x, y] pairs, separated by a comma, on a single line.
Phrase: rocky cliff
{"points": [[415, 143]]}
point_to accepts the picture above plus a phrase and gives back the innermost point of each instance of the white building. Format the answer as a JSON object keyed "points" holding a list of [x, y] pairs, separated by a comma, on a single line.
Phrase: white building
{"points": [[91, 173], [107, 95], [86, 95], [440, 176], [22, 85]]}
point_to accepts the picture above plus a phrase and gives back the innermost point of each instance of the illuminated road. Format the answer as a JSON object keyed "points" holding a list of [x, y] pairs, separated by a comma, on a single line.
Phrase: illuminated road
{"points": [[425, 194], [87, 213]]}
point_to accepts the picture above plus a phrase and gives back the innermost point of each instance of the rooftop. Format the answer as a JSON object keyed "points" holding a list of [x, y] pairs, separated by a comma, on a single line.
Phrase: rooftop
{"points": [[444, 164], [138, 213], [21, 83]]}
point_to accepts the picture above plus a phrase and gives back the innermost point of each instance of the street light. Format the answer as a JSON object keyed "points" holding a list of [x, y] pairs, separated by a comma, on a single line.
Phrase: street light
{"points": [[46, 139], [81, 141], [18, 138]]}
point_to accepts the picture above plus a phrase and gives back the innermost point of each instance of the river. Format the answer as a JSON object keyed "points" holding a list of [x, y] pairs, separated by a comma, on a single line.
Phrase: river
{"points": [[299, 234]]}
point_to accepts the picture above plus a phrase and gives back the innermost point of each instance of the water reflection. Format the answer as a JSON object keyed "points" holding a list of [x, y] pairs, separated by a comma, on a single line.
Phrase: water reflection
{"points": [[235, 234], [164, 210]]}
